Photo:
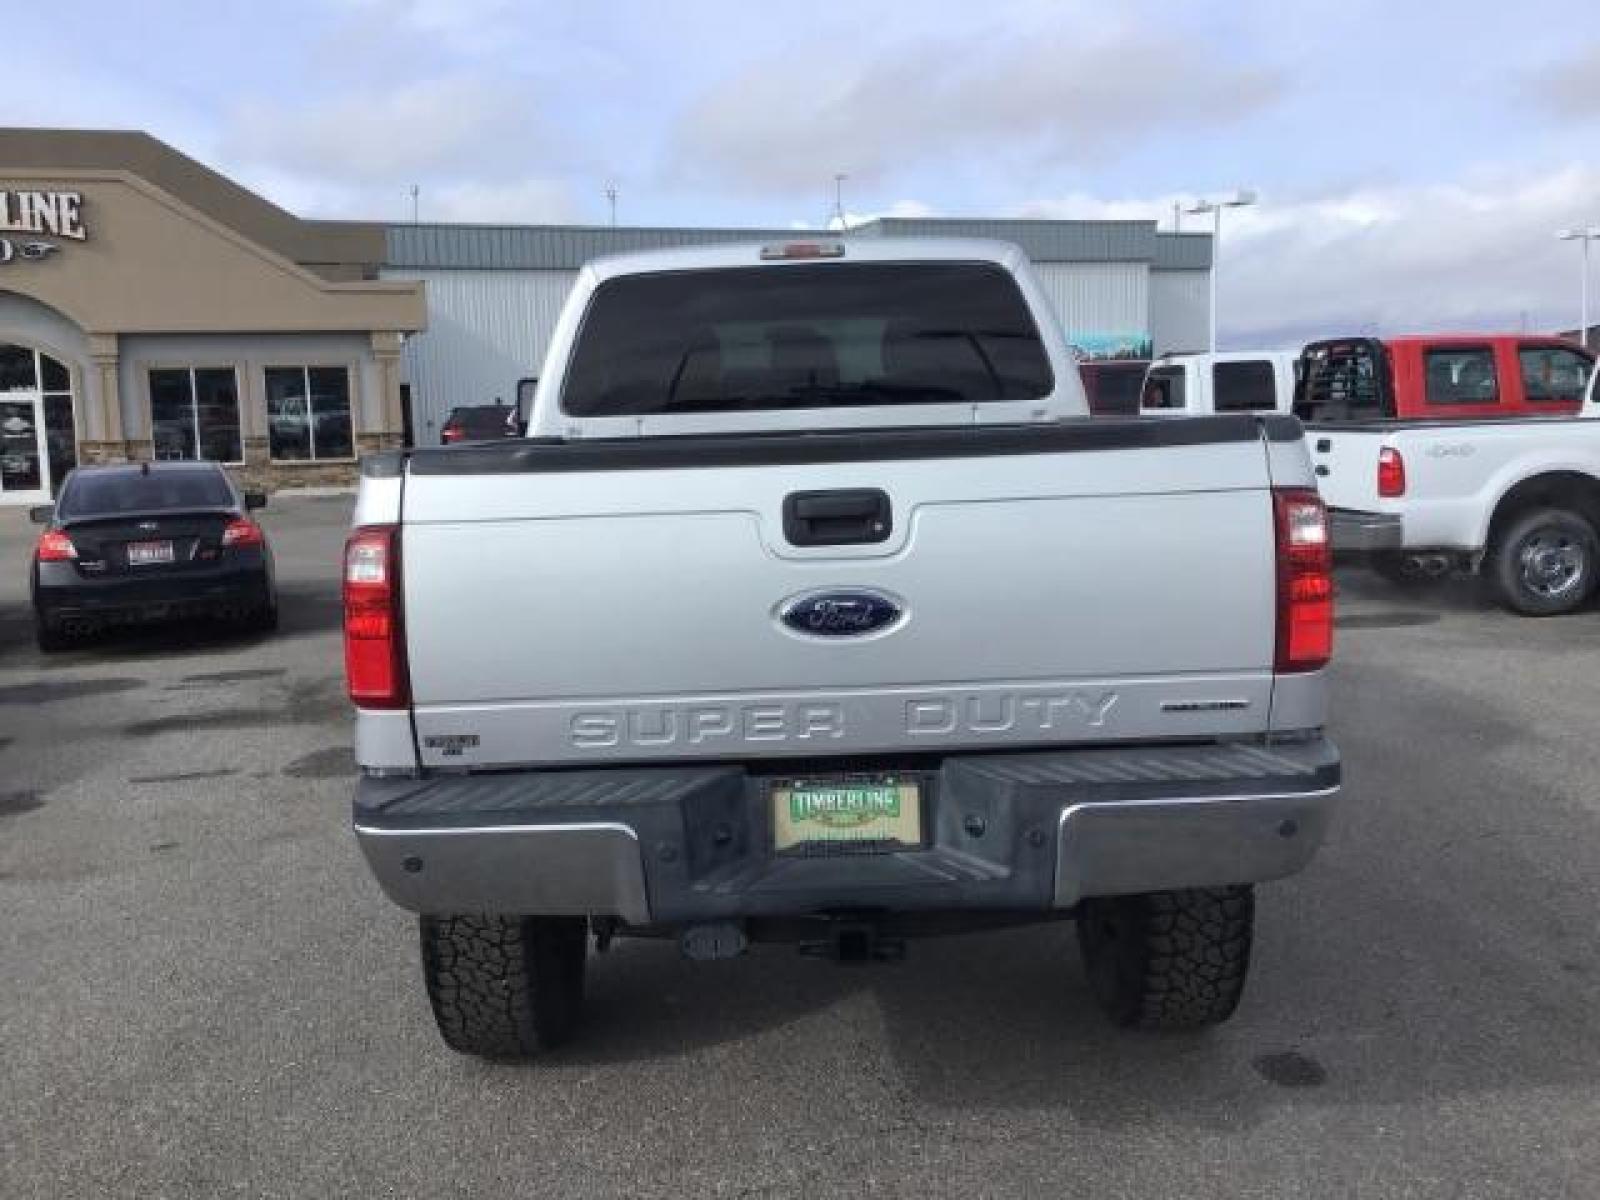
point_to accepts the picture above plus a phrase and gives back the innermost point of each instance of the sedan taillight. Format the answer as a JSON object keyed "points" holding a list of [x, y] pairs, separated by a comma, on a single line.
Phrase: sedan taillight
{"points": [[55, 546], [374, 639], [242, 531]]}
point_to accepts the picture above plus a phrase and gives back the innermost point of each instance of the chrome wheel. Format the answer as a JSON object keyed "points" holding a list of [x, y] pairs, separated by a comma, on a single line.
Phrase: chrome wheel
{"points": [[1552, 564]]}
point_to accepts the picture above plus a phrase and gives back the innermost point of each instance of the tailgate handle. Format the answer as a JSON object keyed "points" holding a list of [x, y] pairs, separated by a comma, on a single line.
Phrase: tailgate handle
{"points": [[1324, 445], [855, 516]]}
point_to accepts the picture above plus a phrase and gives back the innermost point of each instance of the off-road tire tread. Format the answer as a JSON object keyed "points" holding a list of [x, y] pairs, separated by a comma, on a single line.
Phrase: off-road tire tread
{"points": [[504, 987], [1183, 963]]}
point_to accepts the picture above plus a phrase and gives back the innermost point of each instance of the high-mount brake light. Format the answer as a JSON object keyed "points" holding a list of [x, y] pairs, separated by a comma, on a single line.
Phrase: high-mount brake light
{"points": [[782, 250]]}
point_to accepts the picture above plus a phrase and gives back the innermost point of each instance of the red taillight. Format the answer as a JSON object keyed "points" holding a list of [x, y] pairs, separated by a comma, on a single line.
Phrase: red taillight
{"points": [[450, 434], [374, 641], [1391, 473], [55, 546], [1305, 580], [242, 531]]}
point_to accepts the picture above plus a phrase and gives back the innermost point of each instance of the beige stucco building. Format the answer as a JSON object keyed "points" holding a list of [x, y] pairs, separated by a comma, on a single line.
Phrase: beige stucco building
{"points": [[150, 307]]}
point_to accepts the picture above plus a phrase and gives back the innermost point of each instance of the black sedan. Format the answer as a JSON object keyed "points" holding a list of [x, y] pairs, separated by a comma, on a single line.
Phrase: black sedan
{"points": [[138, 541], [479, 423]]}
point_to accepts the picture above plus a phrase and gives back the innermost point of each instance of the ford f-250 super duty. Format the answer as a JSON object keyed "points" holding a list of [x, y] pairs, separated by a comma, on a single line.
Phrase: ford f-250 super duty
{"points": [[811, 611], [1515, 495]]}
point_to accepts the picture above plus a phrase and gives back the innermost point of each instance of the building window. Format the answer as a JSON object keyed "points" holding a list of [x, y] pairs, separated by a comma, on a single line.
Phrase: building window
{"points": [[308, 413], [1461, 377], [1244, 386], [194, 413], [25, 373], [1552, 374], [17, 372]]}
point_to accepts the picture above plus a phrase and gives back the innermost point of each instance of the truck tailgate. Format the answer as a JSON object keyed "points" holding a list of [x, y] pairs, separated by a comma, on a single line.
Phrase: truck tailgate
{"points": [[1069, 587], [1346, 464]]}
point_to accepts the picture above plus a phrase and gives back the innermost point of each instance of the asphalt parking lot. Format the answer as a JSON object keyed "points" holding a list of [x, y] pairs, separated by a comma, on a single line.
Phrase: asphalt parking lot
{"points": [[204, 994]]}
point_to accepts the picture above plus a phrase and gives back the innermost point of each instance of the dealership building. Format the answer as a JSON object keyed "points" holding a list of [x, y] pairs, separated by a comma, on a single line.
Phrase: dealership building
{"points": [[153, 308]]}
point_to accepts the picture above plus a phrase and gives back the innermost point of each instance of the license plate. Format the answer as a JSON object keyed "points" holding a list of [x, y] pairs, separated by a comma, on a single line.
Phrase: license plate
{"points": [[142, 554], [884, 810]]}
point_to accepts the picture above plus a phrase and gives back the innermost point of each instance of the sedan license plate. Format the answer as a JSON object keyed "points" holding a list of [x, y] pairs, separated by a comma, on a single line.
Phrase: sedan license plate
{"points": [[143, 554], [884, 811]]}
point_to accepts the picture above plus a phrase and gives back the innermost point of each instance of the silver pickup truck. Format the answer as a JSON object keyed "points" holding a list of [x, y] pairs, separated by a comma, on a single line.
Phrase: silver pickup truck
{"points": [[814, 609]]}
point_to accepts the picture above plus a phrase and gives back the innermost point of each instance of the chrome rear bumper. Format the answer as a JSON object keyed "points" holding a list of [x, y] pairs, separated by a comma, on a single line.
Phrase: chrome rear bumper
{"points": [[1364, 532], [1015, 831]]}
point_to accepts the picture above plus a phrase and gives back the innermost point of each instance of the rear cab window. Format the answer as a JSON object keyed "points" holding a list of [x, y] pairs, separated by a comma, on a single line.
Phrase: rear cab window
{"points": [[1344, 380], [1244, 386], [1164, 388], [805, 337], [1553, 374], [1460, 375], [114, 493]]}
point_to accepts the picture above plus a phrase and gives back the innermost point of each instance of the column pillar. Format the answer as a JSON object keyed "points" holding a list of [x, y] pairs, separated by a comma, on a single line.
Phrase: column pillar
{"points": [[387, 430], [108, 443]]}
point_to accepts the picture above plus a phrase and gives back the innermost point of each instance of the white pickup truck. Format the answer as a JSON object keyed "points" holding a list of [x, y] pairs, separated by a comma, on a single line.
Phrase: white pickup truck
{"points": [[1196, 385], [1516, 498], [814, 610]]}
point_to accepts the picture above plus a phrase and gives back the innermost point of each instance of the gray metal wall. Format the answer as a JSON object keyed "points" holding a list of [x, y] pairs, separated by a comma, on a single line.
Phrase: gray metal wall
{"points": [[1180, 305], [486, 330], [1099, 297]]}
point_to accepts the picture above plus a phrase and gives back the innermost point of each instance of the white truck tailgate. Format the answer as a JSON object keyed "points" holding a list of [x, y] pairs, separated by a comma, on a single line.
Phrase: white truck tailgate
{"points": [[1346, 466]]}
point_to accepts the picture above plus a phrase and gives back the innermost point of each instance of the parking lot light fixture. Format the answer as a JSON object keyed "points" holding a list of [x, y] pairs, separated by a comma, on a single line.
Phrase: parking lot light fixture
{"points": [[1585, 236], [1242, 198]]}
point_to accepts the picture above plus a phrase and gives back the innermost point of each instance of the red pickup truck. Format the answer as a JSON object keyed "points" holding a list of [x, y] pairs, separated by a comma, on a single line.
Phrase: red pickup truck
{"points": [[1440, 376]]}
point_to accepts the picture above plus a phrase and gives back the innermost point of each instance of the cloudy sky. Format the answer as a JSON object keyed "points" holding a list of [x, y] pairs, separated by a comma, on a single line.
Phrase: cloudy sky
{"points": [[1412, 170]]}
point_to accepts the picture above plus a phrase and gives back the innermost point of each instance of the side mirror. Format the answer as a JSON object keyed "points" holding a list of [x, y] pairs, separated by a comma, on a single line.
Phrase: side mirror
{"points": [[255, 499], [42, 514]]}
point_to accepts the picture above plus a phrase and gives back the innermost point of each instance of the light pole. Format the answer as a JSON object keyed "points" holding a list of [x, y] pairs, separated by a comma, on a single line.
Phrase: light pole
{"points": [[1585, 236], [1243, 198]]}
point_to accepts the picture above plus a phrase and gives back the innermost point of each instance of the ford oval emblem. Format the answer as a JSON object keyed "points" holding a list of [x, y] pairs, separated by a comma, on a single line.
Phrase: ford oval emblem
{"points": [[845, 612]]}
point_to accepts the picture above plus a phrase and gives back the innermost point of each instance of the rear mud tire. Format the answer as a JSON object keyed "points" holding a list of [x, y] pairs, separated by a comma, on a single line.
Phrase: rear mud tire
{"points": [[1168, 960], [504, 988], [1544, 563]]}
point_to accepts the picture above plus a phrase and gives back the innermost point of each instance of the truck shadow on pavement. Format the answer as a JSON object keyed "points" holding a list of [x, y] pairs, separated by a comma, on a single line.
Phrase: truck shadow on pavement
{"points": [[1455, 594], [1443, 946]]}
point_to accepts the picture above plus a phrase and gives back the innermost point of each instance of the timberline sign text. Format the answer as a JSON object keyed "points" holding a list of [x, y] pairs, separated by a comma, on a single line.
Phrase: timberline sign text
{"points": [[54, 214]]}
